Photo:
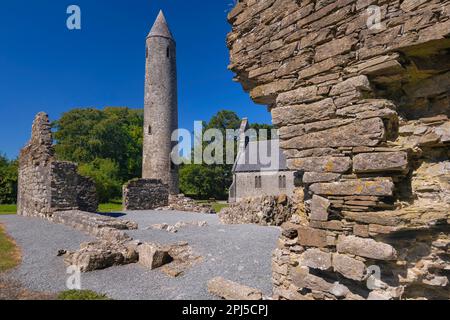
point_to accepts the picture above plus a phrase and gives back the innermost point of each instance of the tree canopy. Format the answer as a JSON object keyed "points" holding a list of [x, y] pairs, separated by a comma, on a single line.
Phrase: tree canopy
{"points": [[107, 145], [8, 180]]}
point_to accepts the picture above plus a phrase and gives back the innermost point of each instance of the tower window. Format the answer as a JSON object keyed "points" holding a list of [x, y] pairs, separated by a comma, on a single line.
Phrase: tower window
{"points": [[146, 53], [168, 52], [149, 130]]}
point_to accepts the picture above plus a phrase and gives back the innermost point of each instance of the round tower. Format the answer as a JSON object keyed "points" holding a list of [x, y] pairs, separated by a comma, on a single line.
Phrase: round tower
{"points": [[161, 105]]}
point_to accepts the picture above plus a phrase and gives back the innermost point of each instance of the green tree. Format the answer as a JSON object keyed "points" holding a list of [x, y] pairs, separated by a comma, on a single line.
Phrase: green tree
{"points": [[105, 173], [8, 180], [87, 136]]}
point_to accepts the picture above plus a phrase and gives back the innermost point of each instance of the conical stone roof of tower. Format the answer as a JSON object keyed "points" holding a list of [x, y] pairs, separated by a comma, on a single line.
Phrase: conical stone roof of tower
{"points": [[160, 28]]}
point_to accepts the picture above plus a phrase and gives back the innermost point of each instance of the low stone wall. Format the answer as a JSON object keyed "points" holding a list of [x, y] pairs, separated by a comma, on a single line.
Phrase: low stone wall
{"points": [[102, 227], [182, 203], [265, 211], [145, 194]]}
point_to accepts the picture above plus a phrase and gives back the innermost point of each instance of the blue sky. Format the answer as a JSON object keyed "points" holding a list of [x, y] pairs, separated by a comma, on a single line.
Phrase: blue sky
{"points": [[46, 67]]}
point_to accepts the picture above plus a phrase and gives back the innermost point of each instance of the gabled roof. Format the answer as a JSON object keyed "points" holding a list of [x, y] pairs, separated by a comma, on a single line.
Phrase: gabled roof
{"points": [[260, 156]]}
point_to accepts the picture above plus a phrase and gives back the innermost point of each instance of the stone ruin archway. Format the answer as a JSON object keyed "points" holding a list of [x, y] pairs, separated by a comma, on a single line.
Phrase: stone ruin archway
{"points": [[363, 116]]}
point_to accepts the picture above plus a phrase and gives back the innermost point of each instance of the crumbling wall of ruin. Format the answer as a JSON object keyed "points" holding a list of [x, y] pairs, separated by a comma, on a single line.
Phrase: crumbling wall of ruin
{"points": [[47, 185], [145, 194], [359, 90]]}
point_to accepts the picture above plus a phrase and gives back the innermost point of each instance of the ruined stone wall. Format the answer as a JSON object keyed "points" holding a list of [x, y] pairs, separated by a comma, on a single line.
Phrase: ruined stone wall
{"points": [[47, 185], [145, 194], [363, 111]]}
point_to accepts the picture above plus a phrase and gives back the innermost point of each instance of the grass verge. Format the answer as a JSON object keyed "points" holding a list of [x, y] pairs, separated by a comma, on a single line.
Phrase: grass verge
{"points": [[81, 295], [113, 206], [9, 252], [8, 209]]}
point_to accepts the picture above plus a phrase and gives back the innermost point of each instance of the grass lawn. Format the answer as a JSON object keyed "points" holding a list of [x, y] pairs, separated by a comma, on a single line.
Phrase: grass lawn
{"points": [[217, 206], [113, 206], [9, 253], [8, 209]]}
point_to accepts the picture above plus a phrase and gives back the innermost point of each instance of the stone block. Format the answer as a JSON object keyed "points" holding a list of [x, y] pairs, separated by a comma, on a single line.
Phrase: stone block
{"points": [[316, 177], [367, 248], [311, 237], [321, 164], [230, 290], [380, 162], [319, 208], [368, 132], [303, 113], [376, 187], [315, 259], [152, 256], [350, 268]]}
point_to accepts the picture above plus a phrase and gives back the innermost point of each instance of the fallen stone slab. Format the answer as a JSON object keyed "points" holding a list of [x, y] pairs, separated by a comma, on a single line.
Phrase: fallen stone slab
{"points": [[230, 290], [100, 255], [153, 256]]}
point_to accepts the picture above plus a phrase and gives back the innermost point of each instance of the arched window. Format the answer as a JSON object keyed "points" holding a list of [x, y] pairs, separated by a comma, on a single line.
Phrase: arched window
{"points": [[149, 130]]}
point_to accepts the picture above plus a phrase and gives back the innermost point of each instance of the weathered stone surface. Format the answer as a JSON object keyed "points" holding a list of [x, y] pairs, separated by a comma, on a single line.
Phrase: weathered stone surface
{"points": [[367, 248], [319, 208], [295, 114], [152, 256], [350, 268], [321, 164], [312, 237], [368, 132], [315, 177], [376, 187], [297, 96], [315, 259], [145, 194], [380, 162], [101, 255], [229, 290], [356, 83]]}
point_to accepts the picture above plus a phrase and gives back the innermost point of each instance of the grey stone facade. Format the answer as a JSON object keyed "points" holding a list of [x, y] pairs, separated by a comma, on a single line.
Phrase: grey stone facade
{"points": [[145, 194], [161, 105], [47, 185], [253, 176]]}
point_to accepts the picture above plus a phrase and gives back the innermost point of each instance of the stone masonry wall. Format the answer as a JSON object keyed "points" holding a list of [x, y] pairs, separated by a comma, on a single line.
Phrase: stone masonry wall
{"points": [[47, 185], [145, 194], [362, 110]]}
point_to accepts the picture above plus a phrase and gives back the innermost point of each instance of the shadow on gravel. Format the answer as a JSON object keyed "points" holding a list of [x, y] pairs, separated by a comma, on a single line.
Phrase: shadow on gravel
{"points": [[113, 214]]}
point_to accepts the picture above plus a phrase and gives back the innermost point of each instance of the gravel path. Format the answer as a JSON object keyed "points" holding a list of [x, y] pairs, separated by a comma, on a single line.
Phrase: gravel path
{"points": [[240, 253]]}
